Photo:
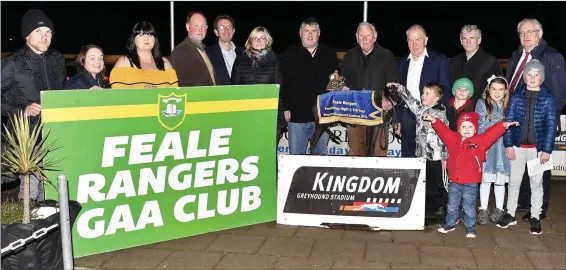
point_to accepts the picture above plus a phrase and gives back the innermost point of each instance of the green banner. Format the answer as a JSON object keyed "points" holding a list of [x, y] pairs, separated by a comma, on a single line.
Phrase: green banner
{"points": [[151, 165]]}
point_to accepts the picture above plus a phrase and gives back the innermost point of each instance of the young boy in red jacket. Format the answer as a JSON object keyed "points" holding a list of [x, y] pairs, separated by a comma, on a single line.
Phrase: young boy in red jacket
{"points": [[466, 154]]}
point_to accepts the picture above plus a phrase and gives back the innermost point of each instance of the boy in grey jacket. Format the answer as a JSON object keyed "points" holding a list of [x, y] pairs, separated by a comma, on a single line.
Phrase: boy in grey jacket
{"points": [[430, 146]]}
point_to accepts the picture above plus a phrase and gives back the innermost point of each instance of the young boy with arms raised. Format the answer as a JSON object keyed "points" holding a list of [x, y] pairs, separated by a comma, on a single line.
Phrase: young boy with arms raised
{"points": [[534, 106], [429, 146], [462, 90], [466, 154]]}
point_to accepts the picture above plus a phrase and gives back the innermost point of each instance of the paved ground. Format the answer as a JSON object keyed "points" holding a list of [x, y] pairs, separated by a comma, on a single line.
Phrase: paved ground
{"points": [[272, 246]]}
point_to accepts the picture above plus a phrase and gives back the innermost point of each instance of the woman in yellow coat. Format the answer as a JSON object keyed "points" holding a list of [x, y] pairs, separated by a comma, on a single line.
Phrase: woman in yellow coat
{"points": [[143, 66]]}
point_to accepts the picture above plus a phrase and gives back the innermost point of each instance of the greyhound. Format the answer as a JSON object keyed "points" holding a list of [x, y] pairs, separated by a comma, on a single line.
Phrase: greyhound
{"points": [[389, 119]]}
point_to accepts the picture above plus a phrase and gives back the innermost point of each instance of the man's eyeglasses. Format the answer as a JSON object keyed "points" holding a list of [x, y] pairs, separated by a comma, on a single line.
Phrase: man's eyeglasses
{"points": [[528, 33], [223, 27]]}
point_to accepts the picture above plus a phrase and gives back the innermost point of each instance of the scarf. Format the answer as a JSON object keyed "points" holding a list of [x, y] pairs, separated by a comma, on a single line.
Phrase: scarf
{"points": [[256, 55]]}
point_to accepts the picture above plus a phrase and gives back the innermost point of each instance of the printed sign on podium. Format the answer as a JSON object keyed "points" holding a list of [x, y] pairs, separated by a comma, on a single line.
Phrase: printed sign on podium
{"points": [[380, 193]]}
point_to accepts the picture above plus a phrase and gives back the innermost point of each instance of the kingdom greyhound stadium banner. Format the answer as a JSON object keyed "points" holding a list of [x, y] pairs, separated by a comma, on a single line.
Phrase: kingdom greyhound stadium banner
{"points": [[381, 193], [151, 165]]}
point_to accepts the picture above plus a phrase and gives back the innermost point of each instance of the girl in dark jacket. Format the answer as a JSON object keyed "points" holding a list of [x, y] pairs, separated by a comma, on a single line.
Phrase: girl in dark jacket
{"points": [[90, 65], [260, 65]]}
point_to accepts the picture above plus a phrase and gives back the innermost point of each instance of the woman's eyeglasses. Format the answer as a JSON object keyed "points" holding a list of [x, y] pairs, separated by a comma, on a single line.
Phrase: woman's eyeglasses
{"points": [[263, 39]]}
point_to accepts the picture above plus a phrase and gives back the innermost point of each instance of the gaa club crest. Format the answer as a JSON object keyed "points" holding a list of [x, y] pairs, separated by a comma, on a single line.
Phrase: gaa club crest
{"points": [[171, 110]]}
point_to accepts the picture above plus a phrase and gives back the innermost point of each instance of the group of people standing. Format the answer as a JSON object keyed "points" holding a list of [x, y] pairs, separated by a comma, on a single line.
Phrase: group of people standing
{"points": [[430, 84]]}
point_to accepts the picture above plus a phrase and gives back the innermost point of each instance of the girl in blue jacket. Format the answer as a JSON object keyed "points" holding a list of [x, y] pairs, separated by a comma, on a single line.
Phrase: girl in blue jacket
{"points": [[496, 168]]}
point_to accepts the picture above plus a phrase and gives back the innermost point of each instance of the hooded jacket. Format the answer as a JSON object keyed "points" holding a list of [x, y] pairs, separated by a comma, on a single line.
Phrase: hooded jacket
{"points": [[466, 157]]}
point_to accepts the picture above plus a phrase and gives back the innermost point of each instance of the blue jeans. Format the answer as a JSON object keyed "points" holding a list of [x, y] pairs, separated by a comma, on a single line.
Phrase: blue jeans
{"points": [[467, 195], [299, 135]]}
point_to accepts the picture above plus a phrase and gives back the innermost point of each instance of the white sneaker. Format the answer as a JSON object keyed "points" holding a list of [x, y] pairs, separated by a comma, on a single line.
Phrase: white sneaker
{"points": [[470, 235], [446, 229]]}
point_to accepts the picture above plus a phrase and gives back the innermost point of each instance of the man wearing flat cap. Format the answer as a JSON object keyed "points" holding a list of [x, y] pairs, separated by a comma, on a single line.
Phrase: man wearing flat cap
{"points": [[28, 71]]}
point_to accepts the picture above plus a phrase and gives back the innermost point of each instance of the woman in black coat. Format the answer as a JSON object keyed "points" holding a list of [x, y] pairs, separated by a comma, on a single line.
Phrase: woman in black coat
{"points": [[90, 65], [258, 64]]}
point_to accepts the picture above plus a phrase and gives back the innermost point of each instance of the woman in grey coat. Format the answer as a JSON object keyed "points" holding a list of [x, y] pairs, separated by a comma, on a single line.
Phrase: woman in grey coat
{"points": [[497, 168]]}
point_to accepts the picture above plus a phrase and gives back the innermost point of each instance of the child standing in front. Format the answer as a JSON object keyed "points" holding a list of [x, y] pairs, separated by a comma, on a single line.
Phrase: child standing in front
{"points": [[466, 154], [534, 106], [429, 146], [497, 168]]}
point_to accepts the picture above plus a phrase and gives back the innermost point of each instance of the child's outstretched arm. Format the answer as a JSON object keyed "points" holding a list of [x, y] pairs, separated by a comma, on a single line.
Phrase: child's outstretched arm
{"points": [[445, 134], [494, 132], [413, 103]]}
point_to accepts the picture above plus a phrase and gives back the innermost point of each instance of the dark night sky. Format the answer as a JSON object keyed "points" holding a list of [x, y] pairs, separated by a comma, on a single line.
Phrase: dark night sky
{"points": [[108, 24]]}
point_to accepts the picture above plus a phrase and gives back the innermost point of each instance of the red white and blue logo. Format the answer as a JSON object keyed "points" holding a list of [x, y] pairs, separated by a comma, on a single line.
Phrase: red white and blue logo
{"points": [[370, 207]]}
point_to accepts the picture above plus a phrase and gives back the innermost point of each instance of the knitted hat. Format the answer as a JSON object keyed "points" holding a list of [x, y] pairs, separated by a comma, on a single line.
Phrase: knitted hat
{"points": [[463, 83], [471, 117], [536, 66], [34, 19]]}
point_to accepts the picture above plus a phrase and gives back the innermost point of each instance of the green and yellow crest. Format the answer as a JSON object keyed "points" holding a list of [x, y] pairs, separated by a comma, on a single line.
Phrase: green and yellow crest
{"points": [[171, 110]]}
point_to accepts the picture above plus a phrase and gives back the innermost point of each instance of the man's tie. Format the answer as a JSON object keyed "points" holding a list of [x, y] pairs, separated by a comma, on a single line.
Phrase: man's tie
{"points": [[518, 74]]}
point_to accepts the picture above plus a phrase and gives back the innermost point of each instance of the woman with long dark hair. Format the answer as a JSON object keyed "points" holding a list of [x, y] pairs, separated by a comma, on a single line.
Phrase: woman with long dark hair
{"points": [[90, 65], [143, 66]]}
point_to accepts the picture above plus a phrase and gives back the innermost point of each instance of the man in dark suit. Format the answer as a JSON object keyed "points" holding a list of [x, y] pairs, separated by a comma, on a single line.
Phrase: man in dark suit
{"points": [[474, 63], [534, 47], [420, 67], [223, 54]]}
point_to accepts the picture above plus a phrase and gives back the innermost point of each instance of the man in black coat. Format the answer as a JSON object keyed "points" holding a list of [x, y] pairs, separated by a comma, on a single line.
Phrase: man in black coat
{"points": [[474, 63], [306, 67], [223, 54], [367, 66], [28, 71]]}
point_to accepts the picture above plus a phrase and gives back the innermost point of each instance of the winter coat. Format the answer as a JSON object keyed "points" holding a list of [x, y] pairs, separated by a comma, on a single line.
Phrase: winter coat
{"points": [[553, 62], [267, 71], [478, 69], [306, 77], [380, 69], [84, 80], [465, 158], [496, 160], [25, 74], [544, 119], [429, 145]]}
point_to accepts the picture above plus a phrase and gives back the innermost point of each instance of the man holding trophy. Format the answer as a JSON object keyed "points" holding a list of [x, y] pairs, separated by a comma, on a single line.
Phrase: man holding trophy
{"points": [[306, 67], [368, 66]]}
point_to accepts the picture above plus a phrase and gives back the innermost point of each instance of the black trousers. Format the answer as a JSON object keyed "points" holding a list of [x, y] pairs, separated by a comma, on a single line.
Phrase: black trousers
{"points": [[408, 133], [436, 193], [525, 191]]}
